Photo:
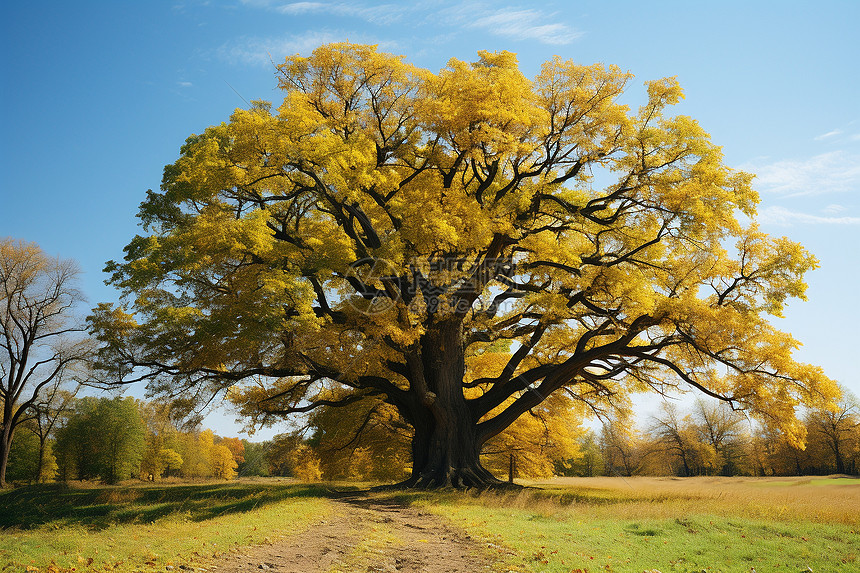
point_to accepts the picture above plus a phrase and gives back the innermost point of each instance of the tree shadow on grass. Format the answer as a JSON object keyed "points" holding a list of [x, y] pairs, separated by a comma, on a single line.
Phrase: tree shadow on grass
{"points": [[99, 507]]}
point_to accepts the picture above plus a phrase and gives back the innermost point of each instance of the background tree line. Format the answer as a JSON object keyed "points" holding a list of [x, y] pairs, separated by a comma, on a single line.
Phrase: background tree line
{"points": [[112, 439], [58, 435], [713, 440], [115, 438]]}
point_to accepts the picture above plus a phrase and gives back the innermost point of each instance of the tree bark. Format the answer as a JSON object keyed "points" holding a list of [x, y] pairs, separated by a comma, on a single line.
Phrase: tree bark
{"points": [[5, 446], [41, 462], [684, 461], [840, 461], [4, 457], [446, 447]]}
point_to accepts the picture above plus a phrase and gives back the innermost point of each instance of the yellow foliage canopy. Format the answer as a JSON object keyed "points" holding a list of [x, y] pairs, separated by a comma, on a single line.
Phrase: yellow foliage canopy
{"points": [[359, 241]]}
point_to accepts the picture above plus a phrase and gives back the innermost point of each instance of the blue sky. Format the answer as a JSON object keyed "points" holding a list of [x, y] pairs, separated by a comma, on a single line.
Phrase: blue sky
{"points": [[98, 96]]}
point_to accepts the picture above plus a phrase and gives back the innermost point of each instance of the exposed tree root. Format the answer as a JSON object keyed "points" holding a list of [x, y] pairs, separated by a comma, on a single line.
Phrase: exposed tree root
{"points": [[455, 478]]}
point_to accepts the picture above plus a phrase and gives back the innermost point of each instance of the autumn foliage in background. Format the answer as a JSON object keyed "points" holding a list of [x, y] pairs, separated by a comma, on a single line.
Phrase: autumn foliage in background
{"points": [[116, 439]]}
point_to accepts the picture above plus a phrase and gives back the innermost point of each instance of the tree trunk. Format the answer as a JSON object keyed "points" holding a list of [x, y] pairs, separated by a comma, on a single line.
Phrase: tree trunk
{"points": [[446, 447], [447, 455], [41, 461], [840, 461], [5, 446], [686, 465]]}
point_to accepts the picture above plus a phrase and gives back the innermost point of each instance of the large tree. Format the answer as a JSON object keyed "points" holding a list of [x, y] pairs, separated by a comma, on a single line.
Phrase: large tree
{"points": [[39, 336], [359, 241]]}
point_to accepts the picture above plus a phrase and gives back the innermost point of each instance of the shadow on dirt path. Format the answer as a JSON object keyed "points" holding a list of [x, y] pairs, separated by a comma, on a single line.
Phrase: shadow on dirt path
{"points": [[366, 534]]}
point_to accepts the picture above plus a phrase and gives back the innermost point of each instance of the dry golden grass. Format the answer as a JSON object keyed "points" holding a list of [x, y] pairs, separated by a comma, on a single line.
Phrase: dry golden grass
{"points": [[118, 496], [820, 500], [630, 525]]}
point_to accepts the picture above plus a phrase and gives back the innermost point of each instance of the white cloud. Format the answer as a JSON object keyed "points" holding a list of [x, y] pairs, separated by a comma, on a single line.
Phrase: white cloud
{"points": [[184, 84], [833, 172], [384, 14], [783, 217], [510, 22], [829, 134], [525, 24], [375, 14], [264, 51], [184, 5], [833, 209], [302, 7]]}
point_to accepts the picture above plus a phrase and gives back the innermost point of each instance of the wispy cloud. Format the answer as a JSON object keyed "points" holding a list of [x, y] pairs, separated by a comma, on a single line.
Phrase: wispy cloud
{"points": [[840, 135], [833, 172], [383, 14], [833, 209], [184, 5], [783, 217], [513, 22], [263, 51], [184, 84], [302, 7], [829, 135], [526, 24], [258, 3]]}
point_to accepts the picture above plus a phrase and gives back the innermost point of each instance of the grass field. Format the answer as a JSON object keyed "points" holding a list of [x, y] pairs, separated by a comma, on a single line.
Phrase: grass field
{"points": [[567, 525], [143, 527], [670, 525]]}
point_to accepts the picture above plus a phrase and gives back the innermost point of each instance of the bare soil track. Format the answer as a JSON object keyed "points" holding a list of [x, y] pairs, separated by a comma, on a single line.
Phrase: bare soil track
{"points": [[366, 535]]}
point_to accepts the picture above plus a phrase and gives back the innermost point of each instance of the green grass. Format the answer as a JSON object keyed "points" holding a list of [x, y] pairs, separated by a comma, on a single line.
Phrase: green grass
{"points": [[58, 528], [677, 526], [587, 525], [564, 542], [824, 481]]}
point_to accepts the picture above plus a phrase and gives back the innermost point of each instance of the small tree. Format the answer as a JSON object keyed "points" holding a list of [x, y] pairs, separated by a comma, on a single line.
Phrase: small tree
{"points": [[589, 459], [77, 442], [103, 438], [678, 439], [622, 447], [170, 459], [236, 447], [162, 435], [305, 464], [837, 429], [52, 405], [38, 342], [29, 459], [196, 449], [278, 454], [223, 463], [255, 459], [159, 463], [723, 430], [122, 438]]}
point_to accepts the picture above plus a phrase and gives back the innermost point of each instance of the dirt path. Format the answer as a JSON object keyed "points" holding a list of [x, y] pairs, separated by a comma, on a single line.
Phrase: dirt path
{"points": [[368, 536]]}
